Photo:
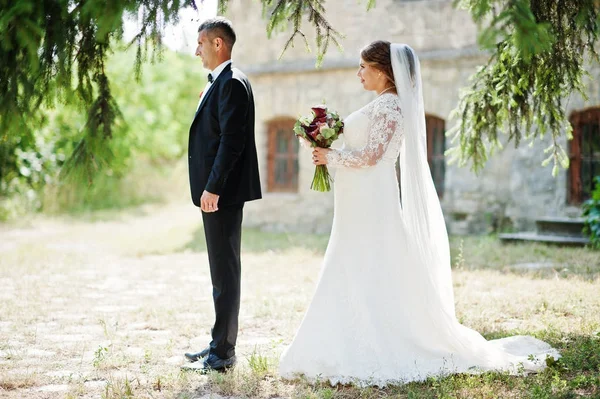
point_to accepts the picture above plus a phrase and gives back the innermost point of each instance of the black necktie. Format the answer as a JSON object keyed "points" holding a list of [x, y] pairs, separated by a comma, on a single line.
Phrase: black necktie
{"points": [[210, 78]]}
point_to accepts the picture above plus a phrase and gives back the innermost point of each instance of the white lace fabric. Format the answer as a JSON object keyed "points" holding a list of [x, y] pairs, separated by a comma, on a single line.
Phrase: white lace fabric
{"points": [[385, 128]]}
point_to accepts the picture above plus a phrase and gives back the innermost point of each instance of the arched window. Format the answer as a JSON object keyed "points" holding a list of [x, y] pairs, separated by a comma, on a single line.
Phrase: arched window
{"points": [[584, 154], [282, 158], [436, 146]]}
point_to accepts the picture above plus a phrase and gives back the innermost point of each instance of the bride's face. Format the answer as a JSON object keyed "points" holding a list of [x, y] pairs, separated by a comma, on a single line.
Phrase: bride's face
{"points": [[370, 77]]}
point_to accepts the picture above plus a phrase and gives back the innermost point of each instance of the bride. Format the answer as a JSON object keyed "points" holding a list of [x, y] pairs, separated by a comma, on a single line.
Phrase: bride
{"points": [[383, 311]]}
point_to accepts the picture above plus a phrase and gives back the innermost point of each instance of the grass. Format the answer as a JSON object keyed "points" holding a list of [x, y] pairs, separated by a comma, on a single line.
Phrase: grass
{"points": [[147, 181], [104, 307], [17, 381], [485, 252], [557, 381], [257, 241]]}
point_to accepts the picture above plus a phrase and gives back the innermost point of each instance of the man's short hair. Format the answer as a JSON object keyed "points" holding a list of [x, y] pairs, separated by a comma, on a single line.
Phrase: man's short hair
{"points": [[219, 27]]}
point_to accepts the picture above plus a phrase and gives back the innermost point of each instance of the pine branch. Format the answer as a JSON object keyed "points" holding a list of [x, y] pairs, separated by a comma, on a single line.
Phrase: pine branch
{"points": [[537, 61], [294, 10], [51, 53]]}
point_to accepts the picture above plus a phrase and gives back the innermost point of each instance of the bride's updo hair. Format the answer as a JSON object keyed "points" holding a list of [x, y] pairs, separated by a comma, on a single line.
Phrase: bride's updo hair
{"points": [[377, 54]]}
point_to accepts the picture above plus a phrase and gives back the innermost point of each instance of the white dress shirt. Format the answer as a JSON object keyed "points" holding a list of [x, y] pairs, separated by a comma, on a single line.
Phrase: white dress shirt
{"points": [[215, 74]]}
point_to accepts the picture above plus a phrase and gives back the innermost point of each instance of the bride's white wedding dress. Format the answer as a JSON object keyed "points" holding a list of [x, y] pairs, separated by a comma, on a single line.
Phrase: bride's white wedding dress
{"points": [[375, 318]]}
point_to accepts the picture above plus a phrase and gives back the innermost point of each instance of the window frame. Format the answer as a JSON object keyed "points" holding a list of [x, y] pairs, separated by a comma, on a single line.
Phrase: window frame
{"points": [[578, 120], [274, 126], [431, 122]]}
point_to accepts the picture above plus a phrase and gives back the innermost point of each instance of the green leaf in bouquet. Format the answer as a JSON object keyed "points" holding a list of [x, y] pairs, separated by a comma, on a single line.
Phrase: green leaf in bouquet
{"points": [[298, 129], [305, 120], [327, 132]]}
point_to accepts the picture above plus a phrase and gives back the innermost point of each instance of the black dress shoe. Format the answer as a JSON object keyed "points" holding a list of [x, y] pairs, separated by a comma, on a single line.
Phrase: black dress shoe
{"points": [[213, 362], [194, 357]]}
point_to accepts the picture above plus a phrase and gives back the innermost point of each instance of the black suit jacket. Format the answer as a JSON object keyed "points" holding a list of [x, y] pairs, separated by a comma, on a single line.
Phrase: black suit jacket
{"points": [[222, 155]]}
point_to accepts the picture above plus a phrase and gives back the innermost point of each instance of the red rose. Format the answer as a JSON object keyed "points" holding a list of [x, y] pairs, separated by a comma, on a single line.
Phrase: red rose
{"points": [[312, 130], [320, 111]]}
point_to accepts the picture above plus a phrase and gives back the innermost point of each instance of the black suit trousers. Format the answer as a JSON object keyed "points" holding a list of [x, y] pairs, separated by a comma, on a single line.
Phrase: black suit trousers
{"points": [[223, 231]]}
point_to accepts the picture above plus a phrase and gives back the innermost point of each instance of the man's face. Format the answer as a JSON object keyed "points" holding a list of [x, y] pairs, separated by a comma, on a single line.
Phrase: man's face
{"points": [[206, 50]]}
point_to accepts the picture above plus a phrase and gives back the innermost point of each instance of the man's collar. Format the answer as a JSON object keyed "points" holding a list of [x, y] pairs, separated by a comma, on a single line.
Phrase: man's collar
{"points": [[217, 71]]}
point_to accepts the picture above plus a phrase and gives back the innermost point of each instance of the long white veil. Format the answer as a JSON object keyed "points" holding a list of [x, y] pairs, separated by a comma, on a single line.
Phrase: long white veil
{"points": [[428, 244], [421, 207]]}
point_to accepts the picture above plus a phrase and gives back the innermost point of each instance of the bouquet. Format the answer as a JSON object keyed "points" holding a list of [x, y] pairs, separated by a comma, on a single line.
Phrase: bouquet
{"points": [[320, 129]]}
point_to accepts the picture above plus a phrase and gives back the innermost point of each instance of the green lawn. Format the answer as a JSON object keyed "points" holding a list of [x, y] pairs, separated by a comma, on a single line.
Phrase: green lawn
{"points": [[104, 307]]}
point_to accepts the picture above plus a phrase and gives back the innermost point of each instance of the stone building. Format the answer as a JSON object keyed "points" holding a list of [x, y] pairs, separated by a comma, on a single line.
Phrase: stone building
{"points": [[512, 190]]}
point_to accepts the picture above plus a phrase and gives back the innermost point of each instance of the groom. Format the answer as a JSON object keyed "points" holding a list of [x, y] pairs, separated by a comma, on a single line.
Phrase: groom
{"points": [[223, 169]]}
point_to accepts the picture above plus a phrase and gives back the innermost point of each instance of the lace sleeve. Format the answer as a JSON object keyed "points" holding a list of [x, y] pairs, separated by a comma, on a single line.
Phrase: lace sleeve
{"points": [[385, 123]]}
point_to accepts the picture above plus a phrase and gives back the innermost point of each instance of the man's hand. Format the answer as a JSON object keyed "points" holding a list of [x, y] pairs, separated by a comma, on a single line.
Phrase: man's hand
{"points": [[209, 202]]}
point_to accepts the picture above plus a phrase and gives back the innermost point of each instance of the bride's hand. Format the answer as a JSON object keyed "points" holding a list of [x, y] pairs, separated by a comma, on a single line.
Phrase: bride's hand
{"points": [[320, 156]]}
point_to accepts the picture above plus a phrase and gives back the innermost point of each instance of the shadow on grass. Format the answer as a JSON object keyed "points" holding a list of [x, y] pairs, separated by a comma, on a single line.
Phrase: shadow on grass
{"points": [[257, 241], [575, 375]]}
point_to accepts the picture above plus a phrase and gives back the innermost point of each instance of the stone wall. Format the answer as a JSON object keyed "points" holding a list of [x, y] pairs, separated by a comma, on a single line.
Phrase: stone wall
{"points": [[514, 188], [425, 25], [281, 94], [509, 193]]}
